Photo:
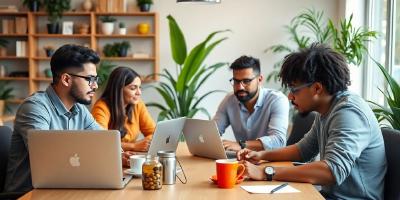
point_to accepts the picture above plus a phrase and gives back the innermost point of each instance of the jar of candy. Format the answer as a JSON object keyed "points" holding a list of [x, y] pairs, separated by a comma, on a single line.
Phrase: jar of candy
{"points": [[152, 172]]}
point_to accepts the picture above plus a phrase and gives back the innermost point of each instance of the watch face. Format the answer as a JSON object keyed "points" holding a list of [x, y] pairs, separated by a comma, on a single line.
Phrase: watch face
{"points": [[269, 170]]}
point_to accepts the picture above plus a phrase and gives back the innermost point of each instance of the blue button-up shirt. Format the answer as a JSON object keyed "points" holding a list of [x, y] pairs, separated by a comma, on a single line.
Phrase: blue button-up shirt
{"points": [[41, 111], [268, 122]]}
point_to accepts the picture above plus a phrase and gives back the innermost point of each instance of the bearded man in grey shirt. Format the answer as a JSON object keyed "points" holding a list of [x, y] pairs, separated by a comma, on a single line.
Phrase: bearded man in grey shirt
{"points": [[345, 133]]}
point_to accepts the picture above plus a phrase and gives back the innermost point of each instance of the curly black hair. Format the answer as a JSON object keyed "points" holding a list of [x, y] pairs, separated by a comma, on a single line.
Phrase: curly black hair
{"points": [[318, 63]]}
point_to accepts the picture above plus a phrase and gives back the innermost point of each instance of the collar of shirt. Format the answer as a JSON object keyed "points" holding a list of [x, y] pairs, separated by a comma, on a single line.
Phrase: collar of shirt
{"points": [[58, 104]]}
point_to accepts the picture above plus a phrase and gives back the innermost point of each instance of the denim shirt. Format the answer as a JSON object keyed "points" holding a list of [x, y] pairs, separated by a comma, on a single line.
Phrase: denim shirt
{"points": [[350, 142], [268, 122], [41, 111]]}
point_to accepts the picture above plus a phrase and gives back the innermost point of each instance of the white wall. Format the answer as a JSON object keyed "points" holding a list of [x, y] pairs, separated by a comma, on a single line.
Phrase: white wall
{"points": [[255, 25]]}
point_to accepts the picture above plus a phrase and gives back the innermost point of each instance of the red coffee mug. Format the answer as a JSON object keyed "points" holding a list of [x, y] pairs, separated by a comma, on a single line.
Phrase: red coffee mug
{"points": [[228, 171]]}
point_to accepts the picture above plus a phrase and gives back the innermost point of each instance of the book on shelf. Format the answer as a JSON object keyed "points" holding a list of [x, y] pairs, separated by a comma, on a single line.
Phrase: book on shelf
{"points": [[20, 48], [8, 26], [21, 25]]}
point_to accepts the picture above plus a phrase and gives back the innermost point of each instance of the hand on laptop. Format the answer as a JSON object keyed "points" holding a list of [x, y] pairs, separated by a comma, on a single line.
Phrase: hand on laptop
{"points": [[231, 146], [249, 155], [142, 145]]}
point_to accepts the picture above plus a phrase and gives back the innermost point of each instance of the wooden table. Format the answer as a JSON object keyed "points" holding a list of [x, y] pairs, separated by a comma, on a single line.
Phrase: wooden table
{"points": [[198, 170]]}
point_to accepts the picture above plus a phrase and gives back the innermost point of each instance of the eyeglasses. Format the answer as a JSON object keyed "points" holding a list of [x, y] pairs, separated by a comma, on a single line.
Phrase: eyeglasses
{"points": [[90, 79], [244, 82], [294, 90]]}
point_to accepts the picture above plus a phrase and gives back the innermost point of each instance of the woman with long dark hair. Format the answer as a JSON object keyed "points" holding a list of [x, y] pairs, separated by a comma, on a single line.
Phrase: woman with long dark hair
{"points": [[120, 108]]}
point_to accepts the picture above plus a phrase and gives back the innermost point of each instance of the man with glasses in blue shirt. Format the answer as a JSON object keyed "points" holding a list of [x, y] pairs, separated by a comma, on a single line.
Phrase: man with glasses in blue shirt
{"points": [[345, 132], [59, 108], [258, 116]]}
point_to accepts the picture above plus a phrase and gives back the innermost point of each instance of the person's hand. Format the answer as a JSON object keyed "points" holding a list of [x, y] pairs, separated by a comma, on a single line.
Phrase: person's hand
{"points": [[254, 172], [249, 155], [142, 145], [125, 158], [231, 146]]}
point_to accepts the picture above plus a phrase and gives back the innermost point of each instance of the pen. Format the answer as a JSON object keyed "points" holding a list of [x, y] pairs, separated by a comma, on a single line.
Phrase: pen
{"points": [[279, 187]]}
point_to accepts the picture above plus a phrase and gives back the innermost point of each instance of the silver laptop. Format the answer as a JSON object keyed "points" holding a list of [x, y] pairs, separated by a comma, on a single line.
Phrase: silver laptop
{"points": [[76, 159], [166, 136], [203, 139]]}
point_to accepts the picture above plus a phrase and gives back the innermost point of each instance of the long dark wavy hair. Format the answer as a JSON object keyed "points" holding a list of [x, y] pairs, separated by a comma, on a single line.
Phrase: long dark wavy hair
{"points": [[114, 97]]}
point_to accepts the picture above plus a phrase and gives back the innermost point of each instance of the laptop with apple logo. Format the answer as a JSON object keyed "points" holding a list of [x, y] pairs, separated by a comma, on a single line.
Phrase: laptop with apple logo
{"points": [[203, 139], [76, 159]]}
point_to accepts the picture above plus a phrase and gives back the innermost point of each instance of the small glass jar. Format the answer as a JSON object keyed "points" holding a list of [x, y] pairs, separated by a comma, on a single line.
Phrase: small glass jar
{"points": [[152, 173]]}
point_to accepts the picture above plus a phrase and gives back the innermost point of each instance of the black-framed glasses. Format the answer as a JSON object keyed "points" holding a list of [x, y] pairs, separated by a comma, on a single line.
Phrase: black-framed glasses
{"points": [[245, 82], [90, 79], [294, 90]]}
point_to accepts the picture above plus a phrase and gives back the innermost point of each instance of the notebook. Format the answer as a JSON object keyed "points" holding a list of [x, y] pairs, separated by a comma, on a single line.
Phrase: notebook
{"points": [[76, 159], [203, 139]]}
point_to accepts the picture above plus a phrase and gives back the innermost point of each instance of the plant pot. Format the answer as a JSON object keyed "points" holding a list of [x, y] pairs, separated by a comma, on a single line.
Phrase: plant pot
{"points": [[122, 31], [53, 28], [143, 28], [145, 7], [34, 6], [123, 52], [107, 28], [87, 5], [83, 29]]}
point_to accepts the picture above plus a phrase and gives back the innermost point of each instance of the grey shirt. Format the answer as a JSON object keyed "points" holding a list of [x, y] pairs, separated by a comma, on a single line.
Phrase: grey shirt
{"points": [[44, 111], [350, 141], [268, 122]]}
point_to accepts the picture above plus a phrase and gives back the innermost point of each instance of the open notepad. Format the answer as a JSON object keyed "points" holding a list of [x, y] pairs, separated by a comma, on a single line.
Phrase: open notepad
{"points": [[261, 189]]}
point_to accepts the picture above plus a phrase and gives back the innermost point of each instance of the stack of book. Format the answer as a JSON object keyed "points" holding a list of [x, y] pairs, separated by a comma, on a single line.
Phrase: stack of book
{"points": [[18, 26], [8, 8]]}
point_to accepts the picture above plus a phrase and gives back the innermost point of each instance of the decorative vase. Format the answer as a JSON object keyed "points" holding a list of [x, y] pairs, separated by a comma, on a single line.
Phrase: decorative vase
{"points": [[143, 28], [123, 52], [107, 28], [87, 5], [53, 28], [83, 29]]}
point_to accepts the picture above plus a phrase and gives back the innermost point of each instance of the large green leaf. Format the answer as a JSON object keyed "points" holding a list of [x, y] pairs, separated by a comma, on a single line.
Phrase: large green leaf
{"points": [[177, 39]]}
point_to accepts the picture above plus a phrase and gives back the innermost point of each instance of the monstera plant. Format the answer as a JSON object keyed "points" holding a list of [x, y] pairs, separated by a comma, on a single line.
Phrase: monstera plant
{"points": [[180, 93]]}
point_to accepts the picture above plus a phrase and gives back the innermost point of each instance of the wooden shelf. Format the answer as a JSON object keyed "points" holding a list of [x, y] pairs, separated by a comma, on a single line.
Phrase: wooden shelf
{"points": [[126, 36], [13, 13], [126, 59], [14, 78], [13, 35], [125, 13], [45, 35], [42, 58], [64, 14], [7, 118], [47, 79], [13, 58]]}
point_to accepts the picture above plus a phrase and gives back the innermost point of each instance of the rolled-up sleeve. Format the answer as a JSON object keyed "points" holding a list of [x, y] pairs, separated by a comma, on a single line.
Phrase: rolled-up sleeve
{"points": [[349, 134], [278, 124]]}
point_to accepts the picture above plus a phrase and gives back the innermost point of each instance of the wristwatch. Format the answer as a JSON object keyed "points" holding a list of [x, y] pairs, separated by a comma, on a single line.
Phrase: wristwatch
{"points": [[270, 172], [242, 144]]}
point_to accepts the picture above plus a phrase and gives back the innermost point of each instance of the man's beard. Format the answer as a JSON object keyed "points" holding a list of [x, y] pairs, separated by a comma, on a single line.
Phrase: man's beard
{"points": [[247, 97], [75, 94]]}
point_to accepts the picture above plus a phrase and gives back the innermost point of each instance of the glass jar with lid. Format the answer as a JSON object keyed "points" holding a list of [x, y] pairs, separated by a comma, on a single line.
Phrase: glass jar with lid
{"points": [[152, 172]]}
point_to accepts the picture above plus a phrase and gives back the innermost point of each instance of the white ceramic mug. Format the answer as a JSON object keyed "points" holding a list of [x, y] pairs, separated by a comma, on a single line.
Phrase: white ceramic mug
{"points": [[136, 162]]}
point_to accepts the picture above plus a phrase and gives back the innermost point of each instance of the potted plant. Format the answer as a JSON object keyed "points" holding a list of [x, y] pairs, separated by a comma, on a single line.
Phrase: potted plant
{"points": [[49, 50], [55, 10], [123, 48], [5, 94], [3, 47], [392, 96], [103, 71], [310, 26], [110, 50], [181, 94], [144, 5], [33, 5], [107, 25], [122, 28]]}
